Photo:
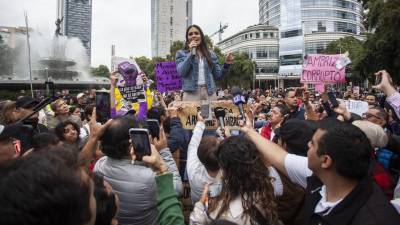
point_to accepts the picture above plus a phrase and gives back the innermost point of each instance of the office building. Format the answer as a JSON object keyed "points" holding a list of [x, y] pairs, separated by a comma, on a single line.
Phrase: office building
{"points": [[307, 27], [76, 16], [260, 42], [169, 20]]}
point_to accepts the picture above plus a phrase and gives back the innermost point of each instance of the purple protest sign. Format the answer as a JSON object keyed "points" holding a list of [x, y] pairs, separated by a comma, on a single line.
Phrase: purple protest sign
{"points": [[167, 77], [323, 69]]}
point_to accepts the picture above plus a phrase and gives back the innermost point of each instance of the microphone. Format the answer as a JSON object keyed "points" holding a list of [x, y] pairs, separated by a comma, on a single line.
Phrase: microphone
{"points": [[220, 114], [239, 100], [193, 51]]}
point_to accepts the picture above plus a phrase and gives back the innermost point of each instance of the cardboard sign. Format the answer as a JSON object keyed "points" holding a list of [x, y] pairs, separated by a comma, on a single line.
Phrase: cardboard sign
{"points": [[188, 115], [133, 93], [356, 106], [167, 77], [323, 69]]}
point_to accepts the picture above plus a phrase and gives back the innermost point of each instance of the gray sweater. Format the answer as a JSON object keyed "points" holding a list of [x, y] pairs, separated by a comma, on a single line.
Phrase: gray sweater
{"points": [[136, 187]]}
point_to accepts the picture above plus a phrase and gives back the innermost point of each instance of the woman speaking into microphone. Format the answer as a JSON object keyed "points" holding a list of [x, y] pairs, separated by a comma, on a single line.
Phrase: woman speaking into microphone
{"points": [[199, 66]]}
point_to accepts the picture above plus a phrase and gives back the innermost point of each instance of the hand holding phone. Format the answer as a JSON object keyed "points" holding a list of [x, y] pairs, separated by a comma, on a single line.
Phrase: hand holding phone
{"points": [[332, 100], [140, 141], [154, 128]]}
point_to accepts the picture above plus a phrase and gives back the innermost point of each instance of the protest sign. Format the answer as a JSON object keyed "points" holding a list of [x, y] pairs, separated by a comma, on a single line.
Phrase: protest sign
{"points": [[188, 114], [167, 77], [323, 69], [130, 83], [356, 106]]}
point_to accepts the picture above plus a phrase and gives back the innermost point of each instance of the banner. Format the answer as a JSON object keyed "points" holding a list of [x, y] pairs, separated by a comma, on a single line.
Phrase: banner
{"points": [[167, 77], [188, 115], [324, 69]]}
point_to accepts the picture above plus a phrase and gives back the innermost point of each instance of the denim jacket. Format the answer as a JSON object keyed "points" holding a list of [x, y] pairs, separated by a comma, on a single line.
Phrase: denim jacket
{"points": [[187, 66]]}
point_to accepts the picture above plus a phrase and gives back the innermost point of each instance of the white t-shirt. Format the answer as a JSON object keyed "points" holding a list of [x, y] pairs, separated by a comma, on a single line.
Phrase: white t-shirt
{"points": [[298, 171], [202, 77]]}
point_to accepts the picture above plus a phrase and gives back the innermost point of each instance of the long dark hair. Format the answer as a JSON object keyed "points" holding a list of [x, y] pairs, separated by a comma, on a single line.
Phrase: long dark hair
{"points": [[245, 176], [203, 46]]}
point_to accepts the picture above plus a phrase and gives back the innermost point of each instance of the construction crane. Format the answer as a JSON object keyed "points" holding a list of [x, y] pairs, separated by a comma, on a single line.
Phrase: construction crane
{"points": [[220, 31]]}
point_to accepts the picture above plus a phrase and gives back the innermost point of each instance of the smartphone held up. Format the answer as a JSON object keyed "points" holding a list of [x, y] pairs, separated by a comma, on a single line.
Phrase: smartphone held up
{"points": [[140, 141]]}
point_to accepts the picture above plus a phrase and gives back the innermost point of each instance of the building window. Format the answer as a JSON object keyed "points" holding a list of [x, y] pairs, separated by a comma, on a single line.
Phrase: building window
{"points": [[257, 35], [291, 33]]}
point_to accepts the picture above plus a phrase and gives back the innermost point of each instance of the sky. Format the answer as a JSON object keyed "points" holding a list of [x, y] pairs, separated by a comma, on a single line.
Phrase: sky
{"points": [[127, 23]]}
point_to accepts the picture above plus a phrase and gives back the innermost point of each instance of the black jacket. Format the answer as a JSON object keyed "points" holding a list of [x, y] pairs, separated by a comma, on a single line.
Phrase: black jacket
{"points": [[364, 205]]}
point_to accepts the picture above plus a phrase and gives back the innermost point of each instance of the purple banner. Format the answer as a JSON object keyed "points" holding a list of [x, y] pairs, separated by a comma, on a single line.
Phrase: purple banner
{"points": [[167, 77]]}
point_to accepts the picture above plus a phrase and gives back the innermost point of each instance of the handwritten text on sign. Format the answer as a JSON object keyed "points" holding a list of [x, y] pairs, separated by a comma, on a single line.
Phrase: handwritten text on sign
{"points": [[133, 93], [167, 77], [323, 69], [188, 115]]}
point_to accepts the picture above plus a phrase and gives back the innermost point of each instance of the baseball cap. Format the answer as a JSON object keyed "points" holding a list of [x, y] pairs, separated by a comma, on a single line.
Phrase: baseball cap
{"points": [[80, 95], [26, 102], [9, 131]]}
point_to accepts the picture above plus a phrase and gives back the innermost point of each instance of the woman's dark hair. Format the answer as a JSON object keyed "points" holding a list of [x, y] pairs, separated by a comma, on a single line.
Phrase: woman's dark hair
{"points": [[43, 189], [59, 130], [246, 176], [105, 201], [156, 113], [88, 112], [42, 141], [296, 134], [72, 109], [207, 153], [221, 222], [115, 140], [203, 45]]}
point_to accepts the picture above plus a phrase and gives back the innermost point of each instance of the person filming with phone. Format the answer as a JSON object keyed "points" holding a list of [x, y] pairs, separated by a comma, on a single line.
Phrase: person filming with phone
{"points": [[199, 67], [132, 181]]}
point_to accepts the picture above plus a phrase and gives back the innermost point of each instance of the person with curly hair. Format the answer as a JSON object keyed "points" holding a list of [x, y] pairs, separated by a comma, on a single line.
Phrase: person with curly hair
{"points": [[248, 190]]}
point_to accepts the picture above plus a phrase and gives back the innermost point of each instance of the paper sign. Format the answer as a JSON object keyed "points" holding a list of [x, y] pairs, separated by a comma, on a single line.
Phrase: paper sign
{"points": [[356, 106], [188, 115], [322, 69], [129, 84], [167, 77]]}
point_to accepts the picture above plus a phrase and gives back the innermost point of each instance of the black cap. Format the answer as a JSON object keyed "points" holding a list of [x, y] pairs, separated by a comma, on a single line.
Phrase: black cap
{"points": [[26, 102], [9, 131]]}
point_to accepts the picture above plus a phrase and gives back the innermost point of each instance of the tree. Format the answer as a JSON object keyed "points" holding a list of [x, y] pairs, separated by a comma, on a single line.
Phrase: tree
{"points": [[355, 48], [100, 71], [241, 72], [176, 46], [382, 47]]}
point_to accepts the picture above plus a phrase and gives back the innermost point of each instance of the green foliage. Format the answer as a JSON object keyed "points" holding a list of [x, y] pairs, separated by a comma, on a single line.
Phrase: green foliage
{"points": [[382, 48], [148, 65], [100, 71], [176, 45], [241, 72]]}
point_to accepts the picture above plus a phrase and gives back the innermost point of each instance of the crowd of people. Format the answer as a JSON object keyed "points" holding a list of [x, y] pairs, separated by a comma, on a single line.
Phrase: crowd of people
{"points": [[298, 157], [296, 160]]}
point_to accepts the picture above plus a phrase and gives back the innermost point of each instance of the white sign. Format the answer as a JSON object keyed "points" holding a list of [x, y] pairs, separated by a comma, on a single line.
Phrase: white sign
{"points": [[356, 106]]}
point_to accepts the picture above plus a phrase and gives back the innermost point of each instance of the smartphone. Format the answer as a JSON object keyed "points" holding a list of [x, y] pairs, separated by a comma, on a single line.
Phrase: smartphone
{"points": [[205, 111], [140, 141], [154, 128], [103, 108], [332, 100], [378, 79]]}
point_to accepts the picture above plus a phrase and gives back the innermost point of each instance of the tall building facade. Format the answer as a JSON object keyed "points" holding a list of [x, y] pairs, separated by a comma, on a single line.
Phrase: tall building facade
{"points": [[308, 26], [260, 42], [169, 20], [76, 16]]}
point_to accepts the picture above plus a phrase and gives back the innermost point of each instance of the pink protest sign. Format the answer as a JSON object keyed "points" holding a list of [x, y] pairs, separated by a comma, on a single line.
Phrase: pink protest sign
{"points": [[323, 69]]}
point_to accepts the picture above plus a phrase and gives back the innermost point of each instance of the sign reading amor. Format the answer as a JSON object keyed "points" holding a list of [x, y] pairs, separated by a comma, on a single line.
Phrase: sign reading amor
{"points": [[188, 115], [323, 69], [167, 77]]}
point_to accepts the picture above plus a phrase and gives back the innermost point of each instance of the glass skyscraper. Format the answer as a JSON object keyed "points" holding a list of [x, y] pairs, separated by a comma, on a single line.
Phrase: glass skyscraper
{"points": [[308, 26], [77, 20], [169, 20]]}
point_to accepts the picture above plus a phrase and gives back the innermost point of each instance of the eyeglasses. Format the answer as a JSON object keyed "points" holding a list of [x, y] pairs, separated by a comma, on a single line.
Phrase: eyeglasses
{"points": [[369, 115]]}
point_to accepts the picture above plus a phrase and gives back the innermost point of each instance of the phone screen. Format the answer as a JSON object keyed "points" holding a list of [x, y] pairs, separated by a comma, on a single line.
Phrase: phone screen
{"points": [[332, 100], [154, 128], [103, 110], [205, 111], [140, 141]]}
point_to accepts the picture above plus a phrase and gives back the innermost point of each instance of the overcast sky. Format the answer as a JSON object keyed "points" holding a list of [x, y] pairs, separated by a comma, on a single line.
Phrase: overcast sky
{"points": [[126, 23]]}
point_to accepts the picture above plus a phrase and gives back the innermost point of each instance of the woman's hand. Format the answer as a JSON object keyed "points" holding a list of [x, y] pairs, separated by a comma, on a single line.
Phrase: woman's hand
{"points": [[193, 44], [229, 59]]}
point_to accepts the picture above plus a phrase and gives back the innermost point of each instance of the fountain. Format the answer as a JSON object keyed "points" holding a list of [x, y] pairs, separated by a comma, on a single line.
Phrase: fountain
{"points": [[60, 59]]}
